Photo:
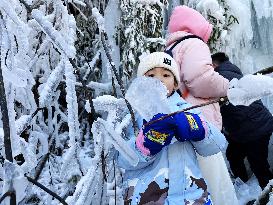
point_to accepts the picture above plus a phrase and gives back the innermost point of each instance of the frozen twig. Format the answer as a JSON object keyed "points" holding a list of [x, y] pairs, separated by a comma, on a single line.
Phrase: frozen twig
{"points": [[5, 118], [8, 193], [264, 71], [103, 35], [46, 190], [223, 99], [28, 8]]}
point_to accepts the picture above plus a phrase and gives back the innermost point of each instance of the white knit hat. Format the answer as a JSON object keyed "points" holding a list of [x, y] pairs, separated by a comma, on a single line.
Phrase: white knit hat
{"points": [[158, 59]]}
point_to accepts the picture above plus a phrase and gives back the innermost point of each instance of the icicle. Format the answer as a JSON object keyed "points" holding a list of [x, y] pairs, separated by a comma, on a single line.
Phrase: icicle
{"points": [[6, 6]]}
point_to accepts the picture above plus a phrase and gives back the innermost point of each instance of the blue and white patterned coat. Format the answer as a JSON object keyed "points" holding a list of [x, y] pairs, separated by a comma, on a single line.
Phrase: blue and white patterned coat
{"points": [[171, 177]]}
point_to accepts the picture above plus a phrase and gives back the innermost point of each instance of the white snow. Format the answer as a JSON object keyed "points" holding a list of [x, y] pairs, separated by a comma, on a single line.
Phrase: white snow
{"points": [[87, 106], [213, 7], [249, 89], [63, 45], [118, 142], [247, 191], [72, 104], [51, 84], [99, 19], [21, 123], [29, 60]]}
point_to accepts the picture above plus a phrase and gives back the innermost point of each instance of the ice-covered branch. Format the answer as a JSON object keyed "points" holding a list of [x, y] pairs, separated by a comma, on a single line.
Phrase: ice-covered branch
{"points": [[5, 5], [51, 84], [118, 142], [5, 119], [99, 19], [24, 121], [55, 37], [119, 81], [46, 189], [100, 22], [123, 124], [72, 105], [86, 187]]}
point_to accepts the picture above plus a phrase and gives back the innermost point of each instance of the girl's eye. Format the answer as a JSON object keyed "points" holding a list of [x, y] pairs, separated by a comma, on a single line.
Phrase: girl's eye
{"points": [[166, 75], [151, 75]]}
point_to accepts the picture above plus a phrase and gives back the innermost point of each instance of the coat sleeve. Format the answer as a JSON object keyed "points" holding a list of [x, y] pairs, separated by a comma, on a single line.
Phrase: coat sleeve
{"points": [[143, 160], [229, 75], [213, 143], [197, 72]]}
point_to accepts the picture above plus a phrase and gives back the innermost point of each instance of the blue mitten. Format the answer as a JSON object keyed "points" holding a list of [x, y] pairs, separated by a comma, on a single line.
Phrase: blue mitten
{"points": [[189, 127], [159, 134]]}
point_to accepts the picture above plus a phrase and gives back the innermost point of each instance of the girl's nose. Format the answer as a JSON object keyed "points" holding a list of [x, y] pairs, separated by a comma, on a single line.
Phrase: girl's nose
{"points": [[160, 78]]}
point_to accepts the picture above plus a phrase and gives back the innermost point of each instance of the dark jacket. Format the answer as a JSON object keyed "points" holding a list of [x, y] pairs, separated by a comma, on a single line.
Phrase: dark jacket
{"points": [[244, 123]]}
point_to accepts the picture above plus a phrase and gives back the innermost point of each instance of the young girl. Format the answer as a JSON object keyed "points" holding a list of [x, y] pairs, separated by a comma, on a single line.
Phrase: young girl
{"points": [[199, 83], [168, 171]]}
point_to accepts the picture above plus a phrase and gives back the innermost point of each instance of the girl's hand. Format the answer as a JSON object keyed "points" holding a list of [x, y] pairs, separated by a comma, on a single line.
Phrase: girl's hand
{"points": [[189, 127], [159, 134]]}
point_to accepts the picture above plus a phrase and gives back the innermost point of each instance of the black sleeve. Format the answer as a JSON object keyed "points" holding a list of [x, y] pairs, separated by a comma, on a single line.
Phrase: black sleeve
{"points": [[229, 75]]}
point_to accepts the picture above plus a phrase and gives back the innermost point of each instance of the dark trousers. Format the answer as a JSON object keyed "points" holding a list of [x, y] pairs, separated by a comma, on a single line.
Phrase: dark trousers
{"points": [[256, 152]]}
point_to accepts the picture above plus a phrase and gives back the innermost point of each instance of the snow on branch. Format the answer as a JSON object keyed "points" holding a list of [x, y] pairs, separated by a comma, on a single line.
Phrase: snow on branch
{"points": [[72, 104], [101, 87], [116, 140], [79, 2], [9, 8], [249, 89], [99, 19], [91, 64], [86, 187], [111, 105], [51, 84], [211, 7], [55, 36], [148, 2]]}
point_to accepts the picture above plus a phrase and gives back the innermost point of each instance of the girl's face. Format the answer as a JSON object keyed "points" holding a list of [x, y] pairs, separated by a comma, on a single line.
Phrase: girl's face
{"points": [[165, 76]]}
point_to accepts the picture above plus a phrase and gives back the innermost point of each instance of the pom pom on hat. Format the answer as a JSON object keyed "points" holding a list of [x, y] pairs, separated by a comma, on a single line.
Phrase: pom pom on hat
{"points": [[158, 59]]}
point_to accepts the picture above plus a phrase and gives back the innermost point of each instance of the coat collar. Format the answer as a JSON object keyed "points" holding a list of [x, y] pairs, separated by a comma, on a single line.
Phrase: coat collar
{"points": [[176, 100]]}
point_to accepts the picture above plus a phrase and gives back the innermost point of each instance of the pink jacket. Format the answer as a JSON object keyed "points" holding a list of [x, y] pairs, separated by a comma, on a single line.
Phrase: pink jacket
{"points": [[199, 82]]}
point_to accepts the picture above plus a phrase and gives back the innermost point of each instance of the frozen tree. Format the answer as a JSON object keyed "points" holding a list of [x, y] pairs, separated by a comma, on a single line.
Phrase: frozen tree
{"points": [[140, 31], [37, 48]]}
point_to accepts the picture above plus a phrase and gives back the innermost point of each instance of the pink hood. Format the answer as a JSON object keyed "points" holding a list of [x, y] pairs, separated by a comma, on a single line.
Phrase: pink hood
{"points": [[191, 21]]}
